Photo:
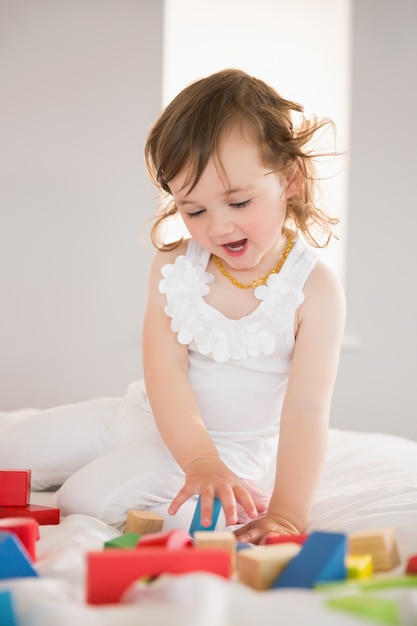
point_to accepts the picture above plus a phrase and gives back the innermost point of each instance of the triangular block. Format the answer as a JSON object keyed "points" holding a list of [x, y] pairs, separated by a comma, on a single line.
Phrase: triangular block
{"points": [[14, 559], [321, 559]]}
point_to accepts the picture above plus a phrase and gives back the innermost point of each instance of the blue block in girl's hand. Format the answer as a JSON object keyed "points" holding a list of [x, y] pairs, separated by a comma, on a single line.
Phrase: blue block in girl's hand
{"points": [[196, 521], [7, 616]]}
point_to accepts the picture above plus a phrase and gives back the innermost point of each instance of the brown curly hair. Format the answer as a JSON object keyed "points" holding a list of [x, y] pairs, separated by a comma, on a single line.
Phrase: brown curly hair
{"points": [[189, 130]]}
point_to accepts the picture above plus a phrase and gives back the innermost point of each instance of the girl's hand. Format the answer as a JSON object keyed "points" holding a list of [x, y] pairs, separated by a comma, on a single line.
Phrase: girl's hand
{"points": [[258, 530], [210, 477]]}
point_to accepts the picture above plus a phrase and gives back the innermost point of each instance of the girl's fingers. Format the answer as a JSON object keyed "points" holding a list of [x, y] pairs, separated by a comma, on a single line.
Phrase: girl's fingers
{"points": [[181, 497], [246, 501]]}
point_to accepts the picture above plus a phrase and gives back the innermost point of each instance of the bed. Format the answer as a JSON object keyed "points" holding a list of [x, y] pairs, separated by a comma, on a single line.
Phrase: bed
{"points": [[370, 482]]}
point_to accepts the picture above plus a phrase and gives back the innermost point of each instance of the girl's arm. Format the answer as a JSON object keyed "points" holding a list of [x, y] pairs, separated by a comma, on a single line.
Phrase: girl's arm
{"points": [[305, 415], [177, 415]]}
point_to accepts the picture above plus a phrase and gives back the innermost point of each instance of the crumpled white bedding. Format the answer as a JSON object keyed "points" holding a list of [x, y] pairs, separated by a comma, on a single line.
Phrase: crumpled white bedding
{"points": [[370, 481]]}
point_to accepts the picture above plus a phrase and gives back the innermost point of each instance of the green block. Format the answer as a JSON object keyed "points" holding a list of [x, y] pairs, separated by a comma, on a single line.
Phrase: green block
{"points": [[392, 582], [378, 609], [127, 541]]}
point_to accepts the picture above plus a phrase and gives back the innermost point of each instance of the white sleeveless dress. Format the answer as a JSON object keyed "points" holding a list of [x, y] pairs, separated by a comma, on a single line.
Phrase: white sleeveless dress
{"points": [[107, 453]]}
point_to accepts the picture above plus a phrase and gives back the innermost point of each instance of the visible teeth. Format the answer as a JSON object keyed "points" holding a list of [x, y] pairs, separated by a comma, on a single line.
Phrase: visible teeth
{"points": [[235, 248]]}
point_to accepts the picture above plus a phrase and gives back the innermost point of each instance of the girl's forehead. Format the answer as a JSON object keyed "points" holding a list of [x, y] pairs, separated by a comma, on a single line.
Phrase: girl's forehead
{"points": [[236, 160]]}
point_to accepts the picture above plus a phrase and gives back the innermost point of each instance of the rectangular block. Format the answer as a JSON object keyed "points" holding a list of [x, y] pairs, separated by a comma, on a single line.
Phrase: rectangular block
{"points": [[44, 515], [259, 567], [215, 540], [300, 539], [15, 487], [110, 572], [143, 522], [126, 541], [7, 616], [196, 521]]}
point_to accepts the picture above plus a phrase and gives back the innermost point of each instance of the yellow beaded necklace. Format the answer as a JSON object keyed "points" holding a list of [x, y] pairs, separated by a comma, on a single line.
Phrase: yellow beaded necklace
{"points": [[257, 281]]}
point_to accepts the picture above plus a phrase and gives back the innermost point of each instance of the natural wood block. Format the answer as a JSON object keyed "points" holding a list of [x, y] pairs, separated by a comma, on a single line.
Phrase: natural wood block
{"points": [[143, 522], [380, 543], [260, 566], [217, 539]]}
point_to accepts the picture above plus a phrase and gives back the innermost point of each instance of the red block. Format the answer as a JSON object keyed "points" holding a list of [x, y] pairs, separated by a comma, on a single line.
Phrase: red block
{"points": [[412, 565], [110, 572], [43, 514], [287, 539], [26, 530], [15, 487], [172, 540]]}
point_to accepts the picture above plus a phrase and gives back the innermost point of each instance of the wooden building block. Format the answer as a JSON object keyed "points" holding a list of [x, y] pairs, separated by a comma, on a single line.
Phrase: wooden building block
{"points": [[412, 565], [110, 572], [26, 530], [14, 559], [15, 487], [321, 559], [196, 521], [216, 539], [44, 515], [381, 544], [143, 522], [359, 566], [7, 616], [172, 540], [259, 567]]}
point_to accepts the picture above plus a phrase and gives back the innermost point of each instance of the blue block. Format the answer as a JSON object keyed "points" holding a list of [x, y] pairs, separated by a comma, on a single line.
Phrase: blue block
{"points": [[14, 560], [321, 559], [196, 521], [7, 616]]}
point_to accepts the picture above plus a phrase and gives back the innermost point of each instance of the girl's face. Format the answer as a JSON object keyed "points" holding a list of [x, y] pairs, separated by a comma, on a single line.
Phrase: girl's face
{"points": [[237, 214]]}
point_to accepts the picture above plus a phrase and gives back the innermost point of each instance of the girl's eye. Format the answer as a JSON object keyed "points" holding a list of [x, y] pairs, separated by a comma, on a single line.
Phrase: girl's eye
{"points": [[240, 205], [196, 213]]}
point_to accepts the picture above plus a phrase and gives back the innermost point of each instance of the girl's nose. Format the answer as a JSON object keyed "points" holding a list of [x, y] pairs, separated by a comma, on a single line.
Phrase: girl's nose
{"points": [[219, 224]]}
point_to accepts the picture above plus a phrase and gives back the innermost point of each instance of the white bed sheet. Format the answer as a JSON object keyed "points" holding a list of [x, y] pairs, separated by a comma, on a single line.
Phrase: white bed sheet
{"points": [[370, 481]]}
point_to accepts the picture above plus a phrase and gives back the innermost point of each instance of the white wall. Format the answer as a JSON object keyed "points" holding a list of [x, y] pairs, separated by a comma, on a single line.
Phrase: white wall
{"points": [[376, 387], [80, 84]]}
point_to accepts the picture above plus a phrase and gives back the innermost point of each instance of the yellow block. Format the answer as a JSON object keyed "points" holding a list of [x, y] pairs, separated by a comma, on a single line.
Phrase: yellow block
{"points": [[359, 565]]}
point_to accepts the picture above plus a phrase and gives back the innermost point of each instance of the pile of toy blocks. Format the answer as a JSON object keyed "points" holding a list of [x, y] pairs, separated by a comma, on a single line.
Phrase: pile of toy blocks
{"points": [[19, 531], [320, 560], [15, 495]]}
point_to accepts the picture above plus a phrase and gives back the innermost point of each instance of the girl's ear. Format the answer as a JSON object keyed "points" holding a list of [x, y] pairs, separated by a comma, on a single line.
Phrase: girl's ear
{"points": [[294, 180]]}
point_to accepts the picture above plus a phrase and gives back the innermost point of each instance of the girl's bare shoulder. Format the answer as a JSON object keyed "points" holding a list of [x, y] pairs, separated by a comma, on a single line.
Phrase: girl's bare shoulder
{"points": [[324, 290]]}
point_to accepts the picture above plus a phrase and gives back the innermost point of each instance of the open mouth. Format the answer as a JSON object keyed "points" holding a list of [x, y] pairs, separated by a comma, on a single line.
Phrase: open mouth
{"points": [[236, 247]]}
